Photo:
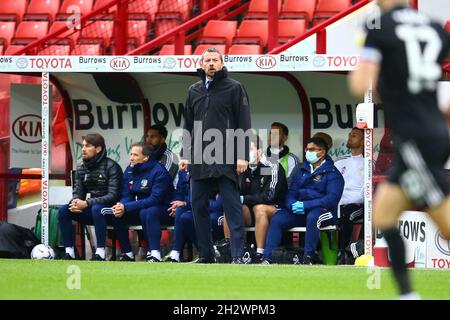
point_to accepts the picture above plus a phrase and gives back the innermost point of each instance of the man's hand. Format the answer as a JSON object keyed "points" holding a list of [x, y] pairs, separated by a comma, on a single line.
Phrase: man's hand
{"points": [[77, 206], [119, 210], [183, 165], [241, 166], [174, 205]]}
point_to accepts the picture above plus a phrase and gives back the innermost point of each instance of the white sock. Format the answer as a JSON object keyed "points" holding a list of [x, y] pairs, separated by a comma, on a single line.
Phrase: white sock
{"points": [[70, 251], [156, 254], [100, 252], [175, 255], [260, 250], [130, 254]]}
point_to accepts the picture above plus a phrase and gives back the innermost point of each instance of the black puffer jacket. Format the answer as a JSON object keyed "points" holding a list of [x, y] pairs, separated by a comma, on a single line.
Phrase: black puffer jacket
{"points": [[101, 177], [224, 105]]}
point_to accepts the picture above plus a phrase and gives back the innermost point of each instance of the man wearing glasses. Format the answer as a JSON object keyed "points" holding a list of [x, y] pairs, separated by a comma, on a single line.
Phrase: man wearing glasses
{"points": [[311, 201]]}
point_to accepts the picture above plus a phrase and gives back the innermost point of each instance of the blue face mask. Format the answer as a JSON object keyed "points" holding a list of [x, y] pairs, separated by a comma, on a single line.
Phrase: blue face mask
{"points": [[311, 157]]}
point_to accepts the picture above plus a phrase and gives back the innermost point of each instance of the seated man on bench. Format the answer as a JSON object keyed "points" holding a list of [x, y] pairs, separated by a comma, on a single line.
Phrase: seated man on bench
{"points": [[311, 201], [147, 191], [352, 202], [97, 186]]}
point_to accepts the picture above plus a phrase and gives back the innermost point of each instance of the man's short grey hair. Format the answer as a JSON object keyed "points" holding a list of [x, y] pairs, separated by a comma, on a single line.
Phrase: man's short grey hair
{"points": [[209, 50]]}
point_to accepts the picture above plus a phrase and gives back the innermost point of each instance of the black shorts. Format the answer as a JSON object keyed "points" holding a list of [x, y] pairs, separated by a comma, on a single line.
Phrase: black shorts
{"points": [[418, 168]]}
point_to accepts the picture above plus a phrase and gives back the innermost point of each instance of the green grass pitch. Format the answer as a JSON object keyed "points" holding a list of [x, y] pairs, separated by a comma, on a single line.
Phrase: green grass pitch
{"points": [[28, 279]]}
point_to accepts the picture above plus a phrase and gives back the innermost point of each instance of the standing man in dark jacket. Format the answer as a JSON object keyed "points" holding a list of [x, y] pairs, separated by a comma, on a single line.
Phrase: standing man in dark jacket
{"points": [[98, 184], [216, 105]]}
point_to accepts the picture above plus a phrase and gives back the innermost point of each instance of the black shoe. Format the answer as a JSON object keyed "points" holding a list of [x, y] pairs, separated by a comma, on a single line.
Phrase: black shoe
{"points": [[126, 258], [68, 257], [97, 257], [341, 258], [266, 261], [151, 258], [258, 259], [237, 260], [307, 260], [172, 260], [206, 260]]}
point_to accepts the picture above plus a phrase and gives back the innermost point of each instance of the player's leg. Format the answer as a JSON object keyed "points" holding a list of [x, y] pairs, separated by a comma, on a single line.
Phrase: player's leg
{"points": [[441, 216], [389, 202]]}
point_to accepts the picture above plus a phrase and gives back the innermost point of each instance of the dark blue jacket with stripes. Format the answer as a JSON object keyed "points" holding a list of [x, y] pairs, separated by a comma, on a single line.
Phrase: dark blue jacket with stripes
{"points": [[321, 189], [266, 185], [146, 184]]}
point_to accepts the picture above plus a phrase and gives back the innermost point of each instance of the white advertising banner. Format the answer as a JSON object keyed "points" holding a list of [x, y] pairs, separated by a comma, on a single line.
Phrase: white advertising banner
{"points": [[25, 126], [425, 247], [281, 62]]}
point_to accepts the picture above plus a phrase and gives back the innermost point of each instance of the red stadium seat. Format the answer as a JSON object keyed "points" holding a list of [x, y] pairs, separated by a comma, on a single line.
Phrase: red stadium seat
{"points": [[7, 29], [326, 9], [169, 50], [165, 25], [55, 50], [28, 31], [219, 32], [147, 9], [13, 9], [87, 50], [98, 31], [42, 10], [137, 31], [202, 47], [259, 9], [289, 29], [252, 32], [447, 26], [175, 9], [100, 3], [296, 9], [12, 49], [70, 36], [70, 7], [245, 49]]}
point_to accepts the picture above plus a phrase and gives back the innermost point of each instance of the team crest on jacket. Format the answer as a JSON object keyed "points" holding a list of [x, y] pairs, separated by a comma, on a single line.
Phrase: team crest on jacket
{"points": [[144, 183], [318, 178]]}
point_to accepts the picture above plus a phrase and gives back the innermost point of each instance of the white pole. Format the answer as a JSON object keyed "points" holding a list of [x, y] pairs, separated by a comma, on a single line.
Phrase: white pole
{"points": [[46, 105], [368, 168]]}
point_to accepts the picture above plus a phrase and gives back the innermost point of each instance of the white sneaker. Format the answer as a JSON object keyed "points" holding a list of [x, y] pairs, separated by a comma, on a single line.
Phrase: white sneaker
{"points": [[409, 296]]}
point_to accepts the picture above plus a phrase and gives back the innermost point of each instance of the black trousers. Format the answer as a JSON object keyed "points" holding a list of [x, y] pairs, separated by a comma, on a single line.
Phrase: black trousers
{"points": [[228, 190], [349, 214]]}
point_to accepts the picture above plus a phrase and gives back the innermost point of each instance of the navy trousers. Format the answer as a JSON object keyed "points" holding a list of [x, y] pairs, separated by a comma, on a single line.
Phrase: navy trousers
{"points": [[228, 190], [284, 220], [90, 216], [152, 219], [121, 225]]}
